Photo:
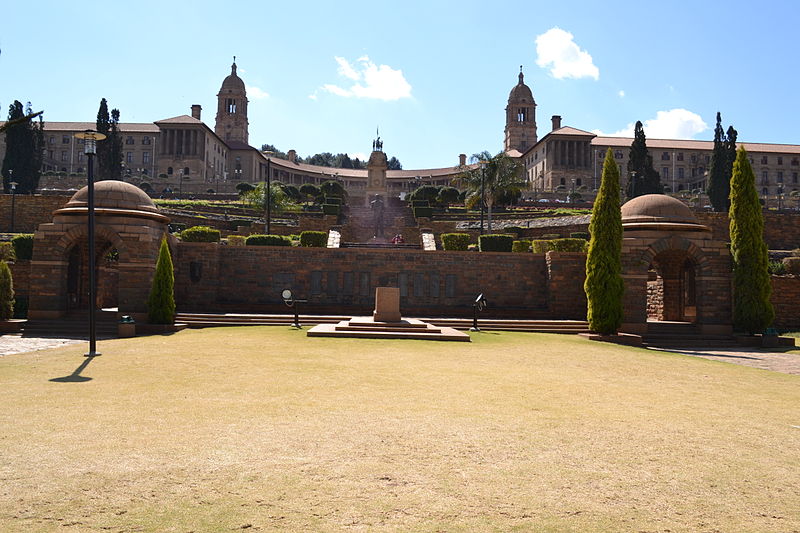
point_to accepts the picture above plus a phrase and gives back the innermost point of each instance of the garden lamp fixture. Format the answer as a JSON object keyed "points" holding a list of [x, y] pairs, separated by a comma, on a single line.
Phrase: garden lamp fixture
{"points": [[291, 301], [478, 305]]}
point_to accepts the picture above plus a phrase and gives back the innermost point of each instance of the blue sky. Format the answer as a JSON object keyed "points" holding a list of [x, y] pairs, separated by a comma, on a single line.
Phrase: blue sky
{"points": [[435, 76]]}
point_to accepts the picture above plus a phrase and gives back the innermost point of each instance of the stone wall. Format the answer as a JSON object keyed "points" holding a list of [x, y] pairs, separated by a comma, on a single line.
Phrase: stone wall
{"points": [[20, 275], [29, 211], [781, 230], [786, 301], [214, 278]]}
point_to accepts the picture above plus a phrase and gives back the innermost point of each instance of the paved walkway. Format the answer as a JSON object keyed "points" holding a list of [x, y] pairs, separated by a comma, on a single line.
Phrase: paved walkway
{"points": [[777, 361]]}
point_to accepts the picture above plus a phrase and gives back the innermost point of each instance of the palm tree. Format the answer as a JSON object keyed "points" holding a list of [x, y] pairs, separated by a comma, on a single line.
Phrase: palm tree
{"points": [[502, 175]]}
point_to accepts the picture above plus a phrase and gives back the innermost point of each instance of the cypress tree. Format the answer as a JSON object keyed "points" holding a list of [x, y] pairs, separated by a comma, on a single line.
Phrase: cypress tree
{"points": [[161, 303], [6, 292], [752, 310], [24, 144], [604, 286], [718, 181], [109, 151], [642, 177]]}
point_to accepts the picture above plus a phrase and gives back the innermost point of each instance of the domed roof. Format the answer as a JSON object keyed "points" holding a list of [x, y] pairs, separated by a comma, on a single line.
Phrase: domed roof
{"points": [[113, 197], [658, 211], [233, 82], [521, 91]]}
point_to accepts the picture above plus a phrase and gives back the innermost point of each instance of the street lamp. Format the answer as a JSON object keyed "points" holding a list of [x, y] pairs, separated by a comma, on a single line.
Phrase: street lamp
{"points": [[483, 190], [90, 139], [268, 194], [13, 185]]}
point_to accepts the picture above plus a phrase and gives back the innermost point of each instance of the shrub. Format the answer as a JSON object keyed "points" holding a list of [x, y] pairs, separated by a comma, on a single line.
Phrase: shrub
{"points": [[23, 246], [161, 303], [776, 268], [514, 230], [420, 203], [523, 245], [7, 251], [267, 240], [495, 243], [331, 209], [559, 245], [236, 240], [314, 239], [244, 188], [6, 292], [580, 235], [200, 234], [458, 242], [423, 212], [791, 265], [333, 200]]}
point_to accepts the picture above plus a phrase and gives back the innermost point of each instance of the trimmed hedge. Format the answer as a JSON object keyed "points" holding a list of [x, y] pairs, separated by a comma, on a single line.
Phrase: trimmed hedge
{"points": [[559, 245], [523, 245], [314, 239], [423, 212], [7, 251], [200, 234], [236, 240], [267, 240], [331, 209], [333, 200], [420, 203], [23, 246], [495, 243], [455, 242]]}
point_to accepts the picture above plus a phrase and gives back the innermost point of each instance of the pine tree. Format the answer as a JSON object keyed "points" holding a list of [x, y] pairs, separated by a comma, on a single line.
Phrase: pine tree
{"points": [[109, 151], [604, 286], [161, 303], [643, 178], [24, 144], [721, 167], [6, 292], [752, 310]]}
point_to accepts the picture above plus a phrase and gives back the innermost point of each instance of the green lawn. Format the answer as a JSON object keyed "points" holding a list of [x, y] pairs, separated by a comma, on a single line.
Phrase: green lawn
{"points": [[264, 429]]}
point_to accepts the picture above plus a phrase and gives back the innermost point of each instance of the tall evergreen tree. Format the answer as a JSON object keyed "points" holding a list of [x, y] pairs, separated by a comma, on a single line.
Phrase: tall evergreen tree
{"points": [[6, 292], [604, 286], [721, 167], [161, 303], [642, 177], [752, 310], [24, 144], [109, 151]]}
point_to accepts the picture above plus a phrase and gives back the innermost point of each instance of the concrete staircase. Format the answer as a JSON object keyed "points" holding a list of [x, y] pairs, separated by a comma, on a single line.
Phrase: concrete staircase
{"points": [[207, 320], [359, 226], [684, 335]]}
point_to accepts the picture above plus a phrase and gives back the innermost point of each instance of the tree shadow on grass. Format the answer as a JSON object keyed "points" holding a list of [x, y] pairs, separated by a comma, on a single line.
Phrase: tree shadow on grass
{"points": [[76, 377]]}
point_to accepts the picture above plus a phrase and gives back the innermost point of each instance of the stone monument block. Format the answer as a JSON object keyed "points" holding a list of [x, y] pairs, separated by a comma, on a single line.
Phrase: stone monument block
{"points": [[387, 304]]}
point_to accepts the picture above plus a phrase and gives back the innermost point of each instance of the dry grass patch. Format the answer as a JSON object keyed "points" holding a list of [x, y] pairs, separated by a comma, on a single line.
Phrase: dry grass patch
{"points": [[265, 429]]}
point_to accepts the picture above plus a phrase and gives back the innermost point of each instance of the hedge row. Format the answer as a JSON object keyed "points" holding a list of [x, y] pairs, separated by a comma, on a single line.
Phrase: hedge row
{"points": [[559, 245], [523, 245], [267, 240], [455, 242], [23, 246], [314, 239], [495, 243], [200, 234]]}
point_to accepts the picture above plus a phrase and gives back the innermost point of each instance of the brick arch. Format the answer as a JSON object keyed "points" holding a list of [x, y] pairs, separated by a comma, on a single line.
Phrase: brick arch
{"points": [[676, 243], [81, 232]]}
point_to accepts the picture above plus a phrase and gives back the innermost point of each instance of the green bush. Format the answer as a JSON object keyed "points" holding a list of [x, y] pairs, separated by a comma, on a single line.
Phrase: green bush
{"points": [[314, 239], [200, 234], [236, 240], [267, 240], [559, 245], [580, 235], [423, 212], [23, 246], [420, 203], [333, 200], [523, 245], [6, 292], [776, 268], [514, 230], [161, 303], [331, 209], [495, 243], [791, 265], [458, 242], [7, 251]]}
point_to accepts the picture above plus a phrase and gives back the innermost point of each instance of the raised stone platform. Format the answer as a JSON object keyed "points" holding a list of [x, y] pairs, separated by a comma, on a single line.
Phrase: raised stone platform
{"points": [[369, 328]]}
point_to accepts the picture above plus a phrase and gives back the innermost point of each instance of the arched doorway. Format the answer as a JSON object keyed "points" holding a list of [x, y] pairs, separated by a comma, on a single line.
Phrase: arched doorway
{"points": [[106, 272], [671, 287]]}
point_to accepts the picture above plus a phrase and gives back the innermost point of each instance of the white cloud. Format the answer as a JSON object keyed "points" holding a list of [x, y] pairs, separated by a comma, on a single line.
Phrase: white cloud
{"points": [[380, 82], [360, 155], [556, 49], [255, 92], [313, 95], [672, 124], [621, 94]]}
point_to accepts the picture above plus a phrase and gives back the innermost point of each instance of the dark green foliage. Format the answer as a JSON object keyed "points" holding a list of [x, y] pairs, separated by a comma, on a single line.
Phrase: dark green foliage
{"points": [[109, 151], [777, 268], [23, 246], [515, 230], [244, 187], [393, 164], [501, 177], [495, 243], [448, 195], [332, 188], [292, 193], [331, 209], [314, 239], [752, 310], [333, 200], [559, 245], [426, 193], [604, 286], [6, 292], [268, 240], [200, 234], [309, 191], [423, 212], [7, 252], [523, 245], [420, 203], [458, 242], [642, 177], [721, 167], [580, 235], [161, 303], [24, 147]]}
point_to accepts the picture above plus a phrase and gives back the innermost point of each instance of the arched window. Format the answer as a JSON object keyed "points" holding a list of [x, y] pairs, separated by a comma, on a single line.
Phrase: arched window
{"points": [[169, 171], [186, 171]]}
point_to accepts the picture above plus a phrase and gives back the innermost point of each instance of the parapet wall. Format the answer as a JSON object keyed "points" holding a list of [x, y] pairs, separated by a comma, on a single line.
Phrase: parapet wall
{"points": [[214, 278], [29, 211]]}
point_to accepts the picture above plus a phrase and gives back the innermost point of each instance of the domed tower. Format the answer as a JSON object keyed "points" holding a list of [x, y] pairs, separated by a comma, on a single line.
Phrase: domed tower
{"points": [[520, 117], [231, 124]]}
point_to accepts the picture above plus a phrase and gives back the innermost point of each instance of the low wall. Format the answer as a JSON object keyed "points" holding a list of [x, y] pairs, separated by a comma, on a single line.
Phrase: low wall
{"points": [[781, 230], [30, 210], [214, 278], [786, 301]]}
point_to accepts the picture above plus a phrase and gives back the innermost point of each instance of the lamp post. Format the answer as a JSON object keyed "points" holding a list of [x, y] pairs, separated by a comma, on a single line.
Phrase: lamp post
{"points": [[268, 194], [90, 139], [13, 185], [180, 183], [483, 190]]}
